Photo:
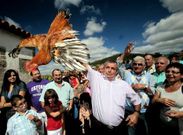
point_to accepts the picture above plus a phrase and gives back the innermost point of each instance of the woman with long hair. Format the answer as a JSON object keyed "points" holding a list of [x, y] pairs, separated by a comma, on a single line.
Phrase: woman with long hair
{"points": [[12, 85]]}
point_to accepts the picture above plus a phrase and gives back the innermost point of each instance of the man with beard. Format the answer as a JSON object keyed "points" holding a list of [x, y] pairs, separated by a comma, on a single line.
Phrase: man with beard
{"points": [[35, 88], [65, 94]]}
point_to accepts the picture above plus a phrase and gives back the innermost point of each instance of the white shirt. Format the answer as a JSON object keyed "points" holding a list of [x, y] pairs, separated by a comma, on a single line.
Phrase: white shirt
{"points": [[108, 98]]}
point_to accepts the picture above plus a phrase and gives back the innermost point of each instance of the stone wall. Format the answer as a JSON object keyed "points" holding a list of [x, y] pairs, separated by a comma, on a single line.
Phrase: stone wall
{"points": [[2, 64]]}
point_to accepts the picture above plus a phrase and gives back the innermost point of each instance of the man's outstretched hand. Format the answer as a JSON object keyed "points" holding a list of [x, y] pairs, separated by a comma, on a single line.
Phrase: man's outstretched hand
{"points": [[129, 49]]}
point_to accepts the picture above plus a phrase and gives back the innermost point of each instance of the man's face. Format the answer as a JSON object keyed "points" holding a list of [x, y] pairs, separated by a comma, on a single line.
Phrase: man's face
{"points": [[36, 75], [57, 76], [174, 60], [110, 70], [149, 60], [138, 67], [161, 64]]}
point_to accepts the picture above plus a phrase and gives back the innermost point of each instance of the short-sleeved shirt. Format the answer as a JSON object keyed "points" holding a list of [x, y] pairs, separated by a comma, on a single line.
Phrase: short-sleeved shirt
{"points": [[16, 89], [35, 90], [144, 78], [176, 96], [21, 125], [108, 98], [65, 92]]}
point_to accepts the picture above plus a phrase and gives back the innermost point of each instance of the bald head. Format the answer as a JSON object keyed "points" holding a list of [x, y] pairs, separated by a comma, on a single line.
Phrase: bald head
{"points": [[161, 63]]}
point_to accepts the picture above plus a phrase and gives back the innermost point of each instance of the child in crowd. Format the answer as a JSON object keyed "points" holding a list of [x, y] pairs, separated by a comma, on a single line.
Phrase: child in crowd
{"points": [[85, 114], [54, 110], [24, 121]]}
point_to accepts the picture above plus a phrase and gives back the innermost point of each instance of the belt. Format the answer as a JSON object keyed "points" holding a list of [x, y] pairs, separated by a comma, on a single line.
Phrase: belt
{"points": [[110, 127], [104, 125]]}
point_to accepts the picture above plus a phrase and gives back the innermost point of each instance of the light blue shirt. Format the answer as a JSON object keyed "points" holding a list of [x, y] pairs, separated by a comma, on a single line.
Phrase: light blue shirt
{"points": [[65, 92], [159, 78], [181, 61], [21, 125], [144, 78]]}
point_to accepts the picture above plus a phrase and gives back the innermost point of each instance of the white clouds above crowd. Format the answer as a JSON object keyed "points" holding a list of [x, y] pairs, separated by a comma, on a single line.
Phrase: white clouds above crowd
{"points": [[97, 49], [96, 44], [94, 27], [90, 9], [166, 35], [59, 4], [173, 5]]}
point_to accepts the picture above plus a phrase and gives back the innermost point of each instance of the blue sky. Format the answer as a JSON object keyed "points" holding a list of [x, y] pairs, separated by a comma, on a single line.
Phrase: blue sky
{"points": [[106, 26]]}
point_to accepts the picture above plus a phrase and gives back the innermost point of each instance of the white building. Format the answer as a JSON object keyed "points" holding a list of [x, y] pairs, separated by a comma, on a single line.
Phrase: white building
{"points": [[10, 37]]}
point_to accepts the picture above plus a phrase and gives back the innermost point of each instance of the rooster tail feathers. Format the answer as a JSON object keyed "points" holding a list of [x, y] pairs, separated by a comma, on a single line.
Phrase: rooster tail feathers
{"points": [[72, 53]]}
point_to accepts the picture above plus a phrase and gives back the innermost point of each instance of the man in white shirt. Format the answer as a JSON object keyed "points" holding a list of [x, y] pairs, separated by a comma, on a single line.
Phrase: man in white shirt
{"points": [[108, 100]]}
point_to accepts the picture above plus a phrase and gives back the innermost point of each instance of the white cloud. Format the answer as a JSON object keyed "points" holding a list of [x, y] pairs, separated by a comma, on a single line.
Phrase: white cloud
{"points": [[94, 27], [173, 5], [11, 22], [173, 22], [96, 44], [175, 45], [59, 4], [166, 35], [97, 49], [90, 9]]}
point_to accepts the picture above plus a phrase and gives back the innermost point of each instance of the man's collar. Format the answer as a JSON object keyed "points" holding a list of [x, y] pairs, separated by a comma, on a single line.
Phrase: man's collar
{"points": [[60, 84], [142, 73], [108, 79], [37, 80], [17, 114]]}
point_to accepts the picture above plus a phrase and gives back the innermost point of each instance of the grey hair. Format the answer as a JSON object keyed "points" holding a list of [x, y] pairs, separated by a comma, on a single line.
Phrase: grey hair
{"points": [[139, 58]]}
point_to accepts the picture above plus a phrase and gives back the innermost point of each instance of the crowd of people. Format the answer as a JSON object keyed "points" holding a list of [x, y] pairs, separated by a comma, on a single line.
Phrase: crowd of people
{"points": [[144, 97]]}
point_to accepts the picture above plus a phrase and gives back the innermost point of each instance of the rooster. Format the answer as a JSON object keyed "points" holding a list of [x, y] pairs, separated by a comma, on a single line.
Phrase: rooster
{"points": [[60, 44]]}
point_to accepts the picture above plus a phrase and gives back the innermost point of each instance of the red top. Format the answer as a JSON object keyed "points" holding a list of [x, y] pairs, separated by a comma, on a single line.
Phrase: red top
{"points": [[73, 82], [54, 123]]}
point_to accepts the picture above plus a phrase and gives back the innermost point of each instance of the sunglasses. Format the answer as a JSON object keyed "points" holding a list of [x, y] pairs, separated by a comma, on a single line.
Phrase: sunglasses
{"points": [[137, 64]]}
